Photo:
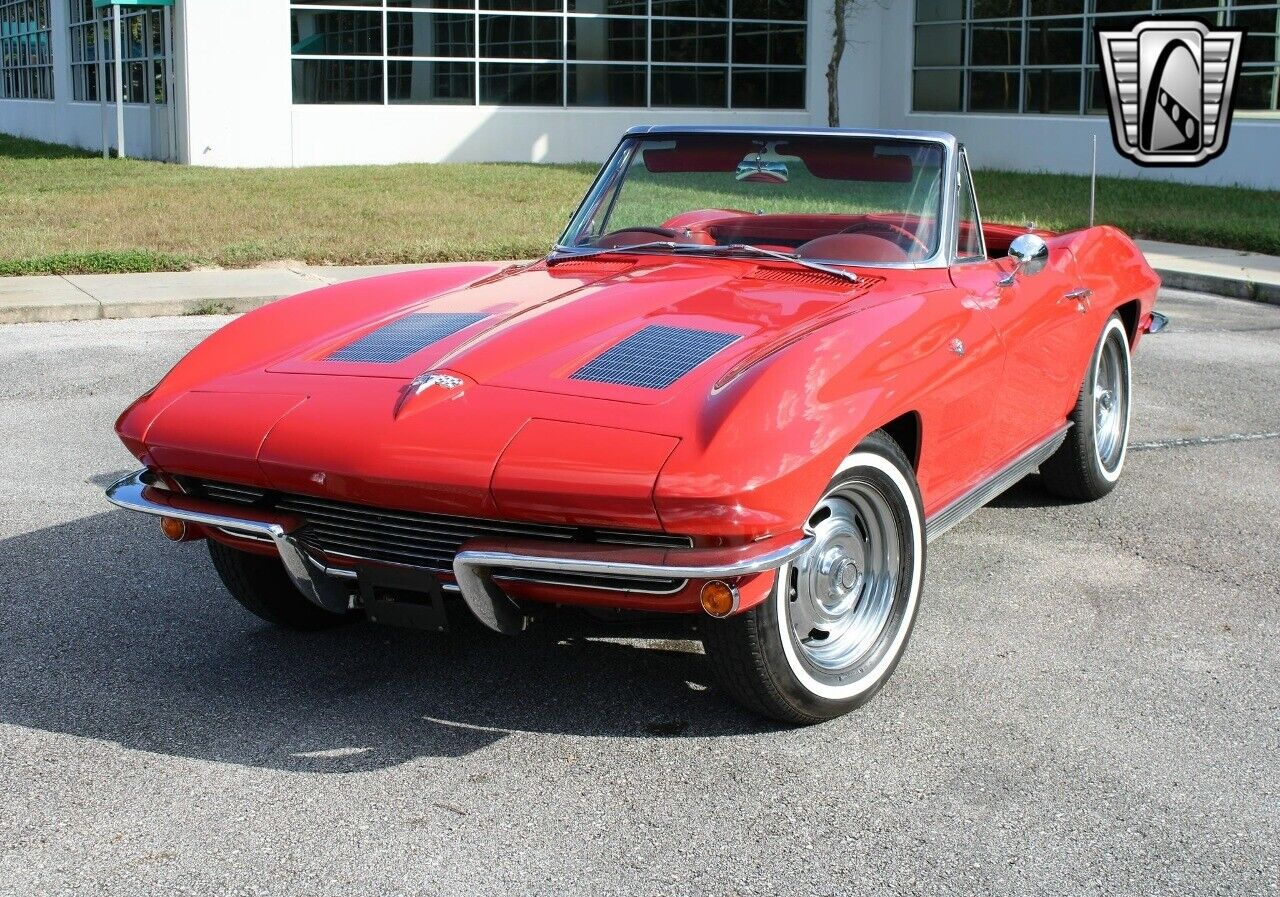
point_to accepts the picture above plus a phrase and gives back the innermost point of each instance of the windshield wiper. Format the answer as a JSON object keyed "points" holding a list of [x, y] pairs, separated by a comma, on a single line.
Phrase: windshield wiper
{"points": [[558, 254], [695, 248]]}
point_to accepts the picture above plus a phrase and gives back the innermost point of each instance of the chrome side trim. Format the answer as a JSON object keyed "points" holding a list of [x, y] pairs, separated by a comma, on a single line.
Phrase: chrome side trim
{"points": [[131, 493], [475, 565], [979, 495]]}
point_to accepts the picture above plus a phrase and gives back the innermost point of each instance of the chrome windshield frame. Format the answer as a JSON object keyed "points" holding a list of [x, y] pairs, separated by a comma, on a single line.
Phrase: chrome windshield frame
{"points": [[941, 257]]}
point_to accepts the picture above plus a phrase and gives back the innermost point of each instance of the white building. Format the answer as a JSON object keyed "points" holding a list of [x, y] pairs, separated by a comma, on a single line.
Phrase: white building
{"points": [[279, 83]]}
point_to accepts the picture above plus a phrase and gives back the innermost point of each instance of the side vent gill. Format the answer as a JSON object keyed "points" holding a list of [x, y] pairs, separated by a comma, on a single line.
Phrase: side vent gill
{"points": [[655, 357], [402, 337]]}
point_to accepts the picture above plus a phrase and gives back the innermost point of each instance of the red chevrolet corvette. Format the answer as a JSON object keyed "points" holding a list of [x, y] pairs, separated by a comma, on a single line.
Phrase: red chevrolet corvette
{"points": [[760, 370]]}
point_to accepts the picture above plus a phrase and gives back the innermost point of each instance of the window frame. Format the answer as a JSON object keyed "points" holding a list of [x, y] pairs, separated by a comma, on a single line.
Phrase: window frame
{"points": [[566, 14], [964, 173]]}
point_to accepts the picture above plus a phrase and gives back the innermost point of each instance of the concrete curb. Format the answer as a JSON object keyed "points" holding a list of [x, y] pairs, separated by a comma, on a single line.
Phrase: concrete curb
{"points": [[25, 300], [1220, 285], [87, 297]]}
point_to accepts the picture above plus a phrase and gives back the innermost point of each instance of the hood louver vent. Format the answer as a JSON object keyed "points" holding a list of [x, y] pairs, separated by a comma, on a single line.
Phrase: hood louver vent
{"points": [[405, 336], [655, 357]]}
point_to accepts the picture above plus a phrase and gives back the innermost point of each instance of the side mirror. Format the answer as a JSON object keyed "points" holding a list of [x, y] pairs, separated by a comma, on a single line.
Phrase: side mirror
{"points": [[1030, 254]]}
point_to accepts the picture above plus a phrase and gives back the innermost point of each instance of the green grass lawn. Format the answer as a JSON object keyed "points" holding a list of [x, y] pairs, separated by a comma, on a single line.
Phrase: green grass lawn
{"points": [[67, 211]]}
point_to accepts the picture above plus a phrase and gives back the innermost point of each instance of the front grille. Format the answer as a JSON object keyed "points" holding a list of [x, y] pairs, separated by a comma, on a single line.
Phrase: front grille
{"points": [[342, 530]]}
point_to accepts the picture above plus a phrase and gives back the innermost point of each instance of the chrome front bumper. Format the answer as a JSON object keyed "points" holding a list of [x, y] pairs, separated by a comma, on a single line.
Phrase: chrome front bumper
{"points": [[474, 567]]}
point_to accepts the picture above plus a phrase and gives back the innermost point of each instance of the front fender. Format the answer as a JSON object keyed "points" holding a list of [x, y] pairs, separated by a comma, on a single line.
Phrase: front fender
{"points": [[768, 442]]}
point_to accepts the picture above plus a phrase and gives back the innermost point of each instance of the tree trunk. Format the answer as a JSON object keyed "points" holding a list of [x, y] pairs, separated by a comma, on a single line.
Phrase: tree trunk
{"points": [[833, 67]]}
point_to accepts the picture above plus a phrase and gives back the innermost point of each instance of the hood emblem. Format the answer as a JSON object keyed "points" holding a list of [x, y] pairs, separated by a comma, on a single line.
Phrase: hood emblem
{"points": [[423, 382]]}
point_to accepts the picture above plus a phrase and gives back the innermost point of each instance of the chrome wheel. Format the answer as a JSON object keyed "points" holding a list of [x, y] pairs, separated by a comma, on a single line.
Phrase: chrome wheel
{"points": [[1111, 402], [843, 589]]}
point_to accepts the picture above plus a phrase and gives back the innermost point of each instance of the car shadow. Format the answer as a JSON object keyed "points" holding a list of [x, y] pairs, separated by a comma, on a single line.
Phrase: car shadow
{"points": [[1029, 492], [111, 633]]}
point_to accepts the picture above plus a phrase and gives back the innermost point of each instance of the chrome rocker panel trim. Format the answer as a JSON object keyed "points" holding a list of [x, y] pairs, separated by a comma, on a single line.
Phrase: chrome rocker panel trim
{"points": [[977, 497]]}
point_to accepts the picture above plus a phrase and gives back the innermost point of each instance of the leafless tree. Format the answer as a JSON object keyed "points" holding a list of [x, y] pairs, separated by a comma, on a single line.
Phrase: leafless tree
{"points": [[842, 12]]}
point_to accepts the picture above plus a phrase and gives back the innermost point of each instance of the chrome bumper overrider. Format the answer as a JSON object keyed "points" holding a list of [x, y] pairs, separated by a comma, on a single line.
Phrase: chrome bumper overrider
{"points": [[476, 564]]}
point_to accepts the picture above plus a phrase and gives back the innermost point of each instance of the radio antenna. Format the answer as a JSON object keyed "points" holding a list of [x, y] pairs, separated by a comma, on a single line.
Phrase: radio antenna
{"points": [[1093, 181]]}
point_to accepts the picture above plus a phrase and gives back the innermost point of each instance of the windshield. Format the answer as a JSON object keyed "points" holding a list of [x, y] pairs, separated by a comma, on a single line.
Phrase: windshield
{"points": [[842, 200]]}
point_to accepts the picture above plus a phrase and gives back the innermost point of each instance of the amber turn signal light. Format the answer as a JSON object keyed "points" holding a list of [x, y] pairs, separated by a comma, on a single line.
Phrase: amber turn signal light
{"points": [[174, 529], [719, 599]]}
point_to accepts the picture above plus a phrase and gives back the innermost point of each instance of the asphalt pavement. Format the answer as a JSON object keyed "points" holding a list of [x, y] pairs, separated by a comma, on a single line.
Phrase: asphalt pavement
{"points": [[1090, 703]]}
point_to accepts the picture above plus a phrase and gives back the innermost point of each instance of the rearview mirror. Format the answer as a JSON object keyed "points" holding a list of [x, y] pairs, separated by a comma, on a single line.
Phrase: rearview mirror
{"points": [[1029, 253]]}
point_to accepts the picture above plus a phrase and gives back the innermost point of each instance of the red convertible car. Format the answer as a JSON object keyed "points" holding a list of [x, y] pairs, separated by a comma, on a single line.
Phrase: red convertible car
{"points": [[760, 370]]}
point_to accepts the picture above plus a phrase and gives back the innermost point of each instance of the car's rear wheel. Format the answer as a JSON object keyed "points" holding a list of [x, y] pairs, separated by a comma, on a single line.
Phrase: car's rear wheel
{"points": [[837, 622], [262, 586], [1088, 463]]}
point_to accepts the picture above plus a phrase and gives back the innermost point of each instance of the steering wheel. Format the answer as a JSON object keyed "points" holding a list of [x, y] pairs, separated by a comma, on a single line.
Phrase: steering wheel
{"points": [[611, 239], [899, 235]]}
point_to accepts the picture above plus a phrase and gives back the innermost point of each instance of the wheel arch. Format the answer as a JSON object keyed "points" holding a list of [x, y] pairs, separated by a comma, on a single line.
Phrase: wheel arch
{"points": [[907, 431], [1130, 313]]}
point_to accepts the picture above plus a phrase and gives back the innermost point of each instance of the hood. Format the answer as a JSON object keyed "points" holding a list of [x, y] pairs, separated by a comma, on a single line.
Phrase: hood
{"points": [[541, 328], [519, 412]]}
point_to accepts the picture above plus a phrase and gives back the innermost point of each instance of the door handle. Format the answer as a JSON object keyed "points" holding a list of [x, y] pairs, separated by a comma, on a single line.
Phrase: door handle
{"points": [[1080, 297]]}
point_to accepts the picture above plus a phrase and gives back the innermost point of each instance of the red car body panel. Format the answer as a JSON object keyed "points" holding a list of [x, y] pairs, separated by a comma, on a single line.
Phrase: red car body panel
{"points": [[736, 450]]}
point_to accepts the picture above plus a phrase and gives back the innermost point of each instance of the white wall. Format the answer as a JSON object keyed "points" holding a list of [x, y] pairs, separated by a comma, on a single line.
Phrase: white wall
{"points": [[1062, 143], [237, 82]]}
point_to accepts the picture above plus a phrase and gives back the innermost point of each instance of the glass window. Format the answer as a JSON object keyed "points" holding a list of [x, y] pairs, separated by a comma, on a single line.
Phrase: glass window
{"points": [[625, 53], [762, 43], [323, 33], [609, 40], [328, 81], [767, 88], [969, 242], [676, 41], [431, 34], [1055, 42], [607, 85], [684, 86], [996, 43], [937, 91], [26, 57], [939, 10], [520, 83], [93, 57], [1053, 92], [994, 91], [519, 37], [431, 82], [939, 45]]}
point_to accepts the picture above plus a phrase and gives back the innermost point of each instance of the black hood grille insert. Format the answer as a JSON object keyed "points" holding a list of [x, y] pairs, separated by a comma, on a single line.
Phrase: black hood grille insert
{"points": [[403, 337], [655, 357]]}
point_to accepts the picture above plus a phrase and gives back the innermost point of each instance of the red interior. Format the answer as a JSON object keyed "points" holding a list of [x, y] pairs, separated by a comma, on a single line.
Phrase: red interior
{"points": [[872, 237]]}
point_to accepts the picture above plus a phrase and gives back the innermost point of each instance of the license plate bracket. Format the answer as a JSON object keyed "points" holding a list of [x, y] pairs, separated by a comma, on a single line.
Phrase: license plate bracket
{"points": [[398, 596]]}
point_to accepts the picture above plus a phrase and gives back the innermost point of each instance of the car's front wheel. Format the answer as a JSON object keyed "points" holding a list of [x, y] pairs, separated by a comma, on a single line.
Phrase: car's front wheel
{"points": [[837, 622], [1088, 463], [263, 587]]}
